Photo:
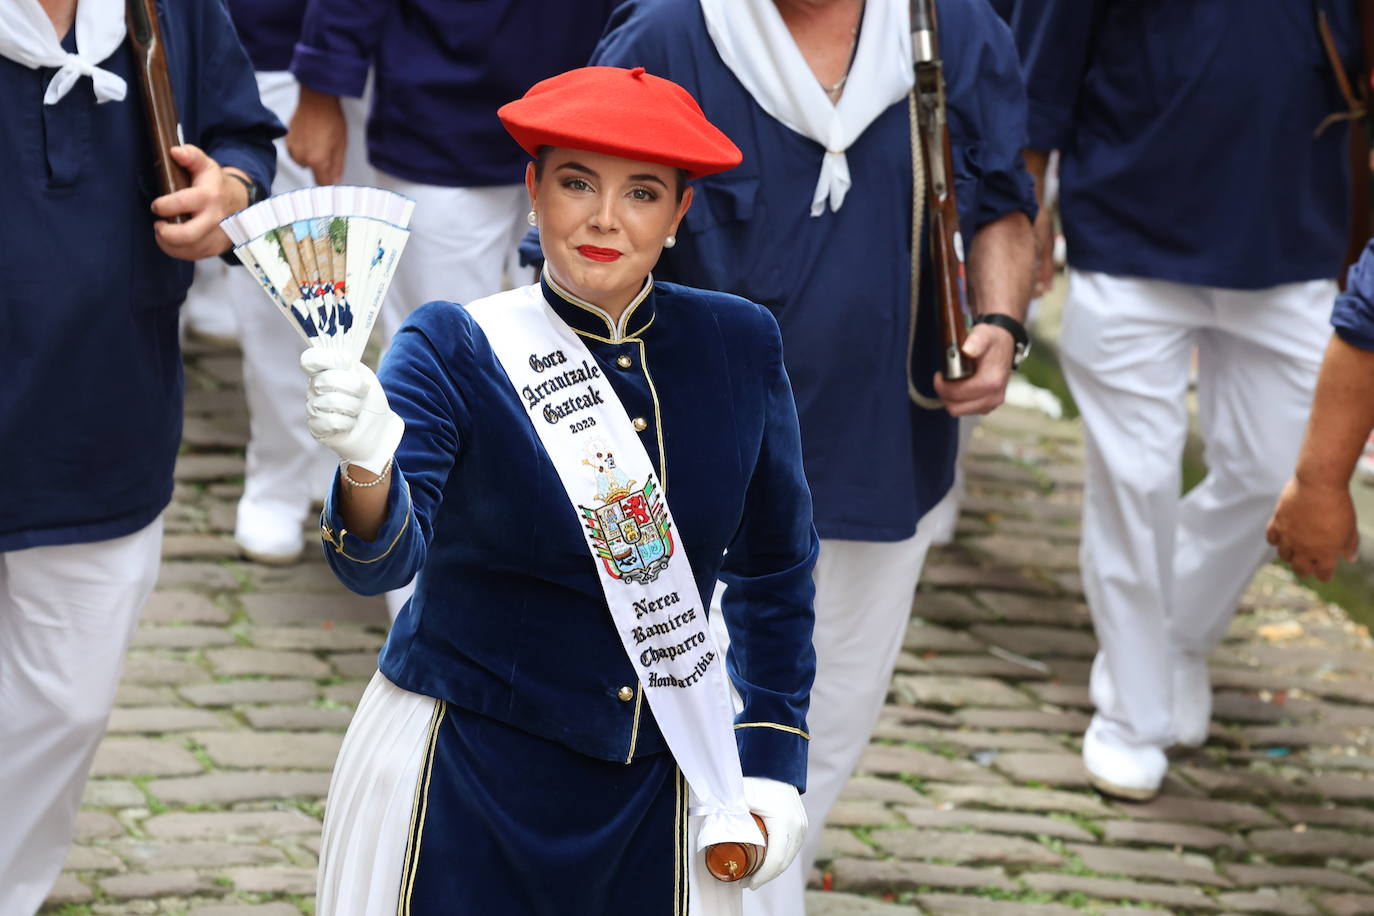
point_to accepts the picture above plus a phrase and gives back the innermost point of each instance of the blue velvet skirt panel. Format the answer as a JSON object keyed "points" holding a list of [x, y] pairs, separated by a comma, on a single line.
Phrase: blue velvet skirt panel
{"points": [[510, 824]]}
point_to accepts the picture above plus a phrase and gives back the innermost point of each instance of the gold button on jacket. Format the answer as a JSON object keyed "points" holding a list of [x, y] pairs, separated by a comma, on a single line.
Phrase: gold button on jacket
{"points": [[626, 694], [624, 362], [640, 424]]}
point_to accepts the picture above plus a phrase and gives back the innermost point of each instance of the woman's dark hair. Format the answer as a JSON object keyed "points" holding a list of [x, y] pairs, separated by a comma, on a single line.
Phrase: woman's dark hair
{"points": [[544, 154]]}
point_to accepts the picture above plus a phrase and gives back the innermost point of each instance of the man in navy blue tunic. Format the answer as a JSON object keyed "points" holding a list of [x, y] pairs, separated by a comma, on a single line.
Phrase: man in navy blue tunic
{"points": [[90, 413], [1205, 198], [816, 225]]}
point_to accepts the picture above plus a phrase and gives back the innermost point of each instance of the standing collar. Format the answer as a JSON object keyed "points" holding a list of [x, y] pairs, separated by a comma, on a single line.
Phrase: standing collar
{"points": [[592, 320]]}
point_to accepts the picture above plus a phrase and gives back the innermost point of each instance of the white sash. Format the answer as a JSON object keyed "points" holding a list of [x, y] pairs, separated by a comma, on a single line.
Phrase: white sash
{"points": [[645, 576], [754, 42], [27, 37]]}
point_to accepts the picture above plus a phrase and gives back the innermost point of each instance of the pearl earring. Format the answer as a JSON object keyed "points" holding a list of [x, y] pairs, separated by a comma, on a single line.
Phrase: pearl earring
{"points": [[532, 218], [670, 241]]}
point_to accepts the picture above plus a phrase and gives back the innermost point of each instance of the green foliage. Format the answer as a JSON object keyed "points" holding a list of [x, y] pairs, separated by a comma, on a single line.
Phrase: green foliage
{"points": [[276, 236], [1041, 369], [338, 234], [312, 808], [198, 751], [155, 804], [1078, 821]]}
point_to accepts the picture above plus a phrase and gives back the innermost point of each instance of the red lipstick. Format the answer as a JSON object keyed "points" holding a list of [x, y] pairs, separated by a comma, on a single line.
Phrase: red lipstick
{"points": [[604, 255]]}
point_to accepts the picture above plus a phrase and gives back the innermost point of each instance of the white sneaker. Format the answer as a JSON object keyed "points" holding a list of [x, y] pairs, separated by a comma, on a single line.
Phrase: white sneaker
{"points": [[1121, 769], [267, 535], [1192, 705]]}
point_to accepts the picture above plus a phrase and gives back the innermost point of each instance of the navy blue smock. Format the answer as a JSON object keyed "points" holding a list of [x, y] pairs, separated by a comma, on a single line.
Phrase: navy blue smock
{"points": [[90, 411], [840, 284], [1186, 133], [509, 619], [269, 30], [1004, 8], [441, 70], [1353, 314]]}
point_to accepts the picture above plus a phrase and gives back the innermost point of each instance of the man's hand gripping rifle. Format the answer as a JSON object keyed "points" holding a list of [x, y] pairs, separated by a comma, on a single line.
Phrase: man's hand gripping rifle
{"points": [[946, 243]]}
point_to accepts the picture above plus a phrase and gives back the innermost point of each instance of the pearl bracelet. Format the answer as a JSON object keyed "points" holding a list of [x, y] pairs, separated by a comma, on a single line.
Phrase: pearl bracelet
{"points": [[343, 472]]}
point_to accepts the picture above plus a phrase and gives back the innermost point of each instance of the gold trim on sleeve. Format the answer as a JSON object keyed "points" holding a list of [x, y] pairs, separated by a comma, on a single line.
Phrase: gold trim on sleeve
{"points": [[337, 541], [781, 728]]}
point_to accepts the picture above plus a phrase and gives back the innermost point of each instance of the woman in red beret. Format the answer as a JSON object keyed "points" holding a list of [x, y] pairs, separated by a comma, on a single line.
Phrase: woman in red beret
{"points": [[569, 468]]}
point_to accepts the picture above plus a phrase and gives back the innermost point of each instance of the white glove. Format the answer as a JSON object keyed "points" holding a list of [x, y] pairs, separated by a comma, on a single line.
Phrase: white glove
{"points": [[348, 410], [780, 806]]}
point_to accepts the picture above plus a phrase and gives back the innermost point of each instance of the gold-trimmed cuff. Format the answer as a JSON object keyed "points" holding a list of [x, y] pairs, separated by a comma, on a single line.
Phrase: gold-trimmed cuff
{"points": [[337, 541], [781, 728]]}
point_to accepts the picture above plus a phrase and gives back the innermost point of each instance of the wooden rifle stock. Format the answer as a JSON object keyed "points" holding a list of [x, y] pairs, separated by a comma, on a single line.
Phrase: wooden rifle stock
{"points": [[155, 86], [946, 242]]}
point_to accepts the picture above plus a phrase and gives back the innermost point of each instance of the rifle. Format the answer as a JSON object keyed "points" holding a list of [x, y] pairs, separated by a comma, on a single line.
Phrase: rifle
{"points": [[946, 243], [159, 103]]}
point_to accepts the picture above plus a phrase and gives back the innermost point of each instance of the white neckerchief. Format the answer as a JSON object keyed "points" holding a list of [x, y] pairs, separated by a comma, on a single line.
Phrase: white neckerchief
{"points": [[755, 44], [27, 37]]}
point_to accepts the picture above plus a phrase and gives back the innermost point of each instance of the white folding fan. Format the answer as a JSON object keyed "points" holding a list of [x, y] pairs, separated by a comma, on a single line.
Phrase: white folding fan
{"points": [[325, 256]]}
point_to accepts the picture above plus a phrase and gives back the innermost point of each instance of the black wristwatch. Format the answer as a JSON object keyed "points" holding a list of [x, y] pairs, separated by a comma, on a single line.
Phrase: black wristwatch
{"points": [[250, 186], [1016, 329]]}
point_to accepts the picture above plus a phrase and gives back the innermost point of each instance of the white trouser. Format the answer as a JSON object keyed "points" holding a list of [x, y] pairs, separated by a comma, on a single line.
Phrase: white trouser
{"points": [[286, 467], [463, 246], [66, 617], [463, 242], [1162, 573], [864, 593]]}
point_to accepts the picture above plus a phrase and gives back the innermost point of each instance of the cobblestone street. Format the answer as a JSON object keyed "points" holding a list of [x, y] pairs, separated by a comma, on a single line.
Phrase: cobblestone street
{"points": [[207, 794]]}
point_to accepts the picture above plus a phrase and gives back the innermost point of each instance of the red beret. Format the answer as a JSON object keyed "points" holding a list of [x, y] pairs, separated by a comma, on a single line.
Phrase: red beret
{"points": [[627, 113]]}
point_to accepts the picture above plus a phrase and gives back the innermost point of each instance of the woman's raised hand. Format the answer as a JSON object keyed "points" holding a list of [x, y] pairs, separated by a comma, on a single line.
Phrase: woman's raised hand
{"points": [[348, 410]]}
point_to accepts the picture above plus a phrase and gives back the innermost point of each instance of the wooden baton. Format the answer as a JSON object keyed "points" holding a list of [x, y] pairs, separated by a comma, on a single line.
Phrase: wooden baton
{"points": [[731, 862]]}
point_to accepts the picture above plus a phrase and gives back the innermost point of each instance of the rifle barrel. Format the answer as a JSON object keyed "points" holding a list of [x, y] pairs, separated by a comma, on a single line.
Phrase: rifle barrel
{"points": [[922, 32]]}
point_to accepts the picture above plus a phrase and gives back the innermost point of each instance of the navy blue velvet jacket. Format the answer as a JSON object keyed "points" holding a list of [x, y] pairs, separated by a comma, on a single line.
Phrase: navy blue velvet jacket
{"points": [[509, 618]]}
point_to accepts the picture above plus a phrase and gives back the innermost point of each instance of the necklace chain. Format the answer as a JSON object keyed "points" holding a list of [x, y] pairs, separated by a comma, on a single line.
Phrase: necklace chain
{"points": [[853, 44]]}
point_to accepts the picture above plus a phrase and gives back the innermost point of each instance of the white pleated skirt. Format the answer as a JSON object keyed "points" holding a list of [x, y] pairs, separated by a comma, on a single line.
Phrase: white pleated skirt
{"points": [[374, 801]]}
